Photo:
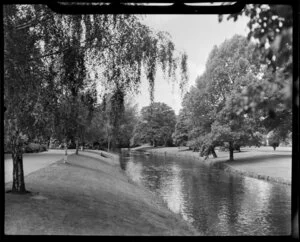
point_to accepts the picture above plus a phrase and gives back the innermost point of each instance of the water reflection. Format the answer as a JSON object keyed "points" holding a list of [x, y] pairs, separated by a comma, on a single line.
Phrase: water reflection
{"points": [[171, 190], [214, 202]]}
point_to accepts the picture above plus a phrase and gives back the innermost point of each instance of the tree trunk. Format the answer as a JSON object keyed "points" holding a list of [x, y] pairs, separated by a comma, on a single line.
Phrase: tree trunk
{"points": [[82, 142], [48, 142], [207, 152], [18, 185], [231, 151], [77, 146], [128, 144], [40, 145], [201, 153], [82, 139], [108, 145], [165, 142], [66, 151], [213, 152]]}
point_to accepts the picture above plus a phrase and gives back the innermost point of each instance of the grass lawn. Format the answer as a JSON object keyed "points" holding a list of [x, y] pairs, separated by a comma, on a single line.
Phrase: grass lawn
{"points": [[87, 197]]}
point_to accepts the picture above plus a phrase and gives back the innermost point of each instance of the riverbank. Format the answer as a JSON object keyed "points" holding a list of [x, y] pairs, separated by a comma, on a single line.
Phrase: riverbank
{"points": [[89, 195], [261, 163]]}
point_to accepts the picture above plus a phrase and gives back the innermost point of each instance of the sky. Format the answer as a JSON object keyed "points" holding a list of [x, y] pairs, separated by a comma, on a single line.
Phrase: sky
{"points": [[196, 35]]}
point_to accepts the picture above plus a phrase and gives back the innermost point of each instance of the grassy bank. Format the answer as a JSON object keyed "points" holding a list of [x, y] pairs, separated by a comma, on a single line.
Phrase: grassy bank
{"points": [[261, 163], [87, 196]]}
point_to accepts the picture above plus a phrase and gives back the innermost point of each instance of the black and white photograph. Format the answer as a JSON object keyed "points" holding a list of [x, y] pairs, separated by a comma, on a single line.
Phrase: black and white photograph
{"points": [[149, 124]]}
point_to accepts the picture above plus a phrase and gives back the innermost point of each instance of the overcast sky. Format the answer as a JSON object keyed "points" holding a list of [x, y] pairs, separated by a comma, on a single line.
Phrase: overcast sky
{"points": [[195, 34]]}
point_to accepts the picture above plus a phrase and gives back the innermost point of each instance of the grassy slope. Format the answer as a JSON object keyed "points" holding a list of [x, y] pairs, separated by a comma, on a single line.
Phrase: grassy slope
{"points": [[87, 197]]}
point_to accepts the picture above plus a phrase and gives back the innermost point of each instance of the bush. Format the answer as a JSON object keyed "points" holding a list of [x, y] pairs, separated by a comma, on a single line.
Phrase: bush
{"points": [[72, 145], [193, 145], [34, 148], [43, 148], [28, 148], [31, 148]]}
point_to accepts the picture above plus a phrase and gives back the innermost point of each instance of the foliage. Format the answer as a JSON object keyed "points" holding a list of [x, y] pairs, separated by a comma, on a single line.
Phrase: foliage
{"points": [[180, 136], [274, 139], [216, 107], [34, 148], [23, 87], [52, 60], [97, 131], [272, 25], [100, 130], [128, 124], [156, 124]]}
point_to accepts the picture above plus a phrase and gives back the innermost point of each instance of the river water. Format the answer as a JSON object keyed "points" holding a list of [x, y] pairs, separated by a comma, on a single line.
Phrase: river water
{"points": [[213, 201]]}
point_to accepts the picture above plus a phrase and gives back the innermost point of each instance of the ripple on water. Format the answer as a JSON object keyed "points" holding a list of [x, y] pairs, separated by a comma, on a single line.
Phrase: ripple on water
{"points": [[215, 202]]}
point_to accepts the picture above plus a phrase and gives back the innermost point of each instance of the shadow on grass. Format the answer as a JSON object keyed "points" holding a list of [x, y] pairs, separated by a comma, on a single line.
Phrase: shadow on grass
{"points": [[18, 193]]}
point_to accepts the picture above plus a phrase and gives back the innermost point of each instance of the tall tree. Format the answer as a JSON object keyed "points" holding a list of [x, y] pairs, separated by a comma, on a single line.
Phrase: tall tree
{"points": [[215, 104], [87, 109], [272, 26], [180, 135], [157, 124], [128, 123], [23, 86], [45, 49]]}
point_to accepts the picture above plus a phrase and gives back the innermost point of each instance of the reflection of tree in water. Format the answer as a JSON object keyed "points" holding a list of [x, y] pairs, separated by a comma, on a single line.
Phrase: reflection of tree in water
{"points": [[215, 202], [134, 170], [154, 172], [125, 157], [172, 189], [205, 185], [199, 193], [270, 206], [123, 162]]}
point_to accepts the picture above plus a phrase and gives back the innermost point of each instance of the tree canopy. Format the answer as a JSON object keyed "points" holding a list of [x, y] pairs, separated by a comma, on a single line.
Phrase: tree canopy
{"points": [[218, 105], [156, 124], [53, 62]]}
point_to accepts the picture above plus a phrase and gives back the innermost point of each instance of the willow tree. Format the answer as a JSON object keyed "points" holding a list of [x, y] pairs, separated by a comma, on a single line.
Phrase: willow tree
{"points": [[117, 49], [39, 47], [134, 48]]}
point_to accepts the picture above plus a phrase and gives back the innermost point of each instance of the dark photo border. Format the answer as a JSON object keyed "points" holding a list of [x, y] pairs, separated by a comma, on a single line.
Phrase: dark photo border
{"points": [[176, 8]]}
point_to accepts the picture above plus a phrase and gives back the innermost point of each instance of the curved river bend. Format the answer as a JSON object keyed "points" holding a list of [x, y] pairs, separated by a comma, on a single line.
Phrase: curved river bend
{"points": [[213, 201]]}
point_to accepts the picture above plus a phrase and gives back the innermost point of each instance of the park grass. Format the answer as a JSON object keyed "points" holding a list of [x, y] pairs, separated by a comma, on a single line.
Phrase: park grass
{"points": [[271, 167], [261, 163], [87, 196]]}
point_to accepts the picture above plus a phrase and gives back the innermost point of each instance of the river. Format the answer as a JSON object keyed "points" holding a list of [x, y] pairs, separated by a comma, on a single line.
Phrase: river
{"points": [[213, 201]]}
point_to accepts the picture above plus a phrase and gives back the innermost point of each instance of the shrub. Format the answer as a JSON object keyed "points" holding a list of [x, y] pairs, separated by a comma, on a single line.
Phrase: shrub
{"points": [[43, 147], [274, 139], [193, 145], [34, 148]]}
